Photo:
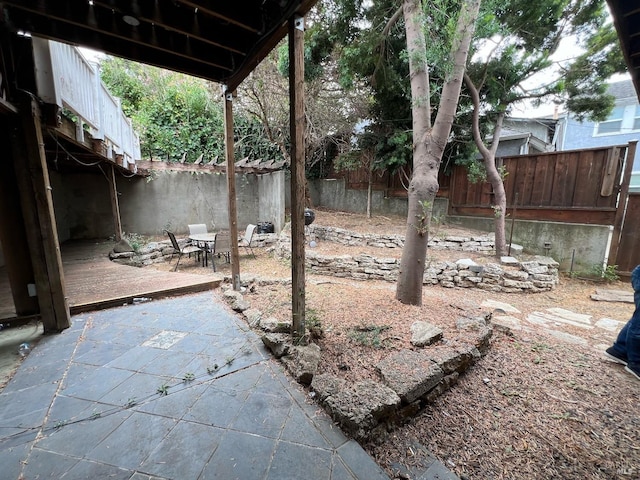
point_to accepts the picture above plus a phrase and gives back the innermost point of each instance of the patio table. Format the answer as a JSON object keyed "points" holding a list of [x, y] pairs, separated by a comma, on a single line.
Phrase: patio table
{"points": [[208, 239]]}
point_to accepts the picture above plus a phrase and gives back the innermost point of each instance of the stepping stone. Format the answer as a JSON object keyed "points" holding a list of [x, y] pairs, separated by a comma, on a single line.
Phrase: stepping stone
{"points": [[538, 318], [568, 315], [610, 324], [603, 295], [568, 338], [506, 323], [505, 307], [558, 315]]}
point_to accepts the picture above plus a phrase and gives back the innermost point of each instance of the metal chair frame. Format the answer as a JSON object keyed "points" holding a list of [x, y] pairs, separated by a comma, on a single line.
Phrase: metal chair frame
{"points": [[189, 249], [248, 237]]}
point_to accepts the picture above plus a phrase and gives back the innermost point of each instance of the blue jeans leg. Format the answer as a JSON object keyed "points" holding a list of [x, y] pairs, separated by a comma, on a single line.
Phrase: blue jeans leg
{"points": [[628, 341]]}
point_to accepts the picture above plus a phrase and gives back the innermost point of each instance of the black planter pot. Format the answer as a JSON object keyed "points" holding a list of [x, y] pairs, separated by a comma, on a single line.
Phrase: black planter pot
{"points": [[309, 216], [265, 227]]}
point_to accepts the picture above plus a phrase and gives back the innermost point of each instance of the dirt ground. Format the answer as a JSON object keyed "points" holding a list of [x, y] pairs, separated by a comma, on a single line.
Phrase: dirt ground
{"points": [[534, 407]]}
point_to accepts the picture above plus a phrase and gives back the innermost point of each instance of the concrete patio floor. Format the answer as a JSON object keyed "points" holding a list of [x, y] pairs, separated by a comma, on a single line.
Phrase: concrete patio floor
{"points": [[170, 389]]}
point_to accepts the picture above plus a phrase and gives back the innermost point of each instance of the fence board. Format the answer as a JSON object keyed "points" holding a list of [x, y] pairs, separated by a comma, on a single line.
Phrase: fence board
{"points": [[556, 186], [629, 250]]}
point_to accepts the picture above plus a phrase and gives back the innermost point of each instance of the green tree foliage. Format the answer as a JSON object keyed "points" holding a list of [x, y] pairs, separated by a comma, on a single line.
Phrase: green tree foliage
{"points": [[514, 41], [175, 114]]}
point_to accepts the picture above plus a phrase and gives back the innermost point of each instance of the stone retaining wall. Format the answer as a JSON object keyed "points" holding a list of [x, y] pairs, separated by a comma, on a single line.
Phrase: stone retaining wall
{"points": [[156, 252], [510, 275], [475, 243]]}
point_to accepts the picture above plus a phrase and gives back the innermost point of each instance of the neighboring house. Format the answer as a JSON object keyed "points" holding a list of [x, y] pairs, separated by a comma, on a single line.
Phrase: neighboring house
{"points": [[622, 126], [522, 136]]}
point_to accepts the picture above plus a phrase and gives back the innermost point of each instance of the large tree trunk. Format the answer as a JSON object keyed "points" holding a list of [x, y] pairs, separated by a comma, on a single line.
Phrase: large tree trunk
{"points": [[493, 175], [428, 141]]}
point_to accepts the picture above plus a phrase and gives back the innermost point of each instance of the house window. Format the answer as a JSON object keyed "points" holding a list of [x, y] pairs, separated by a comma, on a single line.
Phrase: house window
{"points": [[613, 124], [636, 118]]}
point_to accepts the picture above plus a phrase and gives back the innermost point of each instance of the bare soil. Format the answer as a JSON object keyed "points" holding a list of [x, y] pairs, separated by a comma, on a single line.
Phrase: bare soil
{"points": [[534, 407]]}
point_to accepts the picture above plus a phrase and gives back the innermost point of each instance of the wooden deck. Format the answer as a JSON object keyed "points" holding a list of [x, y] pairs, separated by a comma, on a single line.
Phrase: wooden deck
{"points": [[93, 282]]}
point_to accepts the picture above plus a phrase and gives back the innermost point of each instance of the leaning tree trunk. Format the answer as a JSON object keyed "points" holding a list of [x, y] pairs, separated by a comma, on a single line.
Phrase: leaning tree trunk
{"points": [[428, 140], [489, 158]]}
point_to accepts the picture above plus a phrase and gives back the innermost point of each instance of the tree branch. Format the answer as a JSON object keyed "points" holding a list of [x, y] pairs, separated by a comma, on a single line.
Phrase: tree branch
{"points": [[385, 33]]}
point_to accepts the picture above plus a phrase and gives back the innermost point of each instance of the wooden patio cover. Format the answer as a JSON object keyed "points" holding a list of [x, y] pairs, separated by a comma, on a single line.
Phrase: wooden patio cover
{"points": [[211, 39]]}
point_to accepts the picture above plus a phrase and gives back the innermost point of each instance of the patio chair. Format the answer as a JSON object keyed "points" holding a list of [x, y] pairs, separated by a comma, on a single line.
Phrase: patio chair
{"points": [[246, 240], [221, 248], [198, 228], [188, 249]]}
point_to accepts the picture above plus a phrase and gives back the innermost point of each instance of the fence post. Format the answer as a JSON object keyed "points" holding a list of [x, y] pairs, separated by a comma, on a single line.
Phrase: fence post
{"points": [[623, 197]]}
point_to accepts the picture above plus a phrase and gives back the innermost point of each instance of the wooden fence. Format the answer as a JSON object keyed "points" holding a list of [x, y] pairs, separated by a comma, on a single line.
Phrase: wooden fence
{"points": [[579, 186]]}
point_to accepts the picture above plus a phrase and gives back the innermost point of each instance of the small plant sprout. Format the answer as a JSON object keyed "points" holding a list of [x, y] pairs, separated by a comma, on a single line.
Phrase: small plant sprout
{"points": [[163, 390], [188, 377], [228, 360], [212, 370], [130, 403]]}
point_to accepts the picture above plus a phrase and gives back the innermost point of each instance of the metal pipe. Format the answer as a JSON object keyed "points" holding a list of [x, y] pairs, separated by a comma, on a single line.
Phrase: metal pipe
{"points": [[513, 220]]}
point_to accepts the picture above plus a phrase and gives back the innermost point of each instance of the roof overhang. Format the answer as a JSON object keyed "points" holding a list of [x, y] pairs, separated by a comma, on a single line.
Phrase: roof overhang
{"points": [[626, 17], [216, 40]]}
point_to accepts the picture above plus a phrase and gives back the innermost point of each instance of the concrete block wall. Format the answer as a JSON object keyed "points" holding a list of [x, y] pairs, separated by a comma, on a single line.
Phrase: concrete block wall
{"points": [[585, 245], [168, 200]]}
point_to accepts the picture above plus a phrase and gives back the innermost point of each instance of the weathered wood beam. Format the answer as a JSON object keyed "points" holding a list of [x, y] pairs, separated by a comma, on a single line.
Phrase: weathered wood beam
{"points": [[231, 188], [296, 119], [223, 12], [184, 21], [179, 55], [115, 205], [40, 223], [13, 235]]}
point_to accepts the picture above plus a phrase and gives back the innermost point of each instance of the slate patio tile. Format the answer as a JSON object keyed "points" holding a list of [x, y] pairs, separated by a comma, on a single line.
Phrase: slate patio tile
{"points": [[192, 343], [78, 439], [15, 437], [37, 373], [242, 381], [262, 414], [31, 401], [216, 407], [168, 363], [86, 469], [359, 462], [298, 428], [136, 388], [327, 428], [240, 456], [98, 353], [184, 452], [69, 409], [92, 383], [339, 471], [286, 462], [12, 458], [132, 442], [135, 358], [43, 464], [174, 405], [142, 476]]}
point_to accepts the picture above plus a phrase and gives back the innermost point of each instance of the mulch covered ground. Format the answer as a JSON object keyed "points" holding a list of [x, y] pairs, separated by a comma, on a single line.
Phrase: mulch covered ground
{"points": [[532, 408]]}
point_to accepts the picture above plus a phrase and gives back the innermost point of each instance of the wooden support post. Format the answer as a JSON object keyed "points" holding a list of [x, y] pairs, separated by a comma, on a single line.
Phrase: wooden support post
{"points": [[231, 188], [12, 229], [115, 205], [37, 207], [622, 204], [296, 114]]}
